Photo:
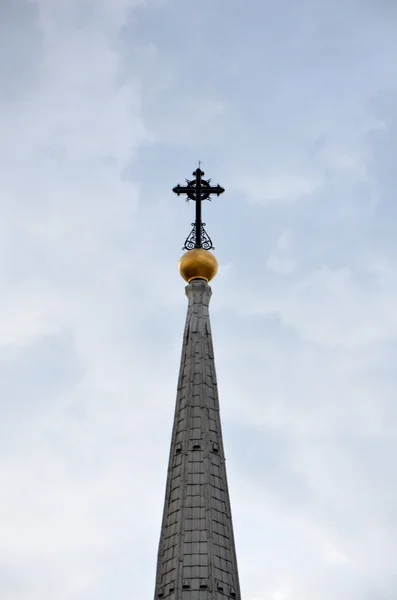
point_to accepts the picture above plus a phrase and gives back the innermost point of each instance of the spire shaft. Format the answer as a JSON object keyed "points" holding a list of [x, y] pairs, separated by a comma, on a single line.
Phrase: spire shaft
{"points": [[197, 558]]}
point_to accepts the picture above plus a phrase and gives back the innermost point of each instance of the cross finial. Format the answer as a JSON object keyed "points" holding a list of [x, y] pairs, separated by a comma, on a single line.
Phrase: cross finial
{"points": [[198, 189]]}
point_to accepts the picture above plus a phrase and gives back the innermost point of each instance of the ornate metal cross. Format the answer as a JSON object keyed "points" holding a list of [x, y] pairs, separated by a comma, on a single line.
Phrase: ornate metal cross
{"points": [[198, 189]]}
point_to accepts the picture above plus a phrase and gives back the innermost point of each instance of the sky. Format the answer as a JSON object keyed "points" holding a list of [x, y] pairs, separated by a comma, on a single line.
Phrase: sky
{"points": [[105, 105]]}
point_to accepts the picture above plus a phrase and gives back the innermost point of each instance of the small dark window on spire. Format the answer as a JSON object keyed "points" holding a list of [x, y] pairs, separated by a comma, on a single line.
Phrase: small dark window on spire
{"points": [[215, 447], [160, 593], [203, 584], [196, 445], [186, 584], [219, 586], [172, 587], [232, 592], [178, 448]]}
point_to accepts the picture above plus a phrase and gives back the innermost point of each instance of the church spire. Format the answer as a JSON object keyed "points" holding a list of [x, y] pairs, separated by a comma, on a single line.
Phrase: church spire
{"points": [[197, 557]]}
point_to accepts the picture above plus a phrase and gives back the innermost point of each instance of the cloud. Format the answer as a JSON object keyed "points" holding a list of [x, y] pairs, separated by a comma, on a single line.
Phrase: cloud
{"points": [[279, 259], [283, 188], [104, 107]]}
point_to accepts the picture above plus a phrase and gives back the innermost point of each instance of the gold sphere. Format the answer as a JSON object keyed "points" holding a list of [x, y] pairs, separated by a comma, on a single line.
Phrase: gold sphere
{"points": [[198, 264]]}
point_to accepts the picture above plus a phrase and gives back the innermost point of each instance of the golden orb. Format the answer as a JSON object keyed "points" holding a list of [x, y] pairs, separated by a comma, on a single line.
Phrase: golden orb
{"points": [[198, 264]]}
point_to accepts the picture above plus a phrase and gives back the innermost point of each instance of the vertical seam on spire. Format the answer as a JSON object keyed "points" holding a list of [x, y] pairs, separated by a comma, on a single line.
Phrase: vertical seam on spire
{"points": [[207, 461], [185, 454]]}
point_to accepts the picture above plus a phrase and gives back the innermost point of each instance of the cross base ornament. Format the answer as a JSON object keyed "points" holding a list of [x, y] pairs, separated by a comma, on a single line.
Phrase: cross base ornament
{"points": [[206, 242], [198, 189]]}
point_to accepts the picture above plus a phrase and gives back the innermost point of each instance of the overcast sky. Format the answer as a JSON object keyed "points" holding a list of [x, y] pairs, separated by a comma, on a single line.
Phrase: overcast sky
{"points": [[105, 105]]}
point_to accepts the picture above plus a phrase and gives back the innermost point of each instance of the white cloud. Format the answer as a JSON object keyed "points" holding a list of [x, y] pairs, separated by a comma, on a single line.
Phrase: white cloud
{"points": [[279, 259], [285, 187], [107, 105]]}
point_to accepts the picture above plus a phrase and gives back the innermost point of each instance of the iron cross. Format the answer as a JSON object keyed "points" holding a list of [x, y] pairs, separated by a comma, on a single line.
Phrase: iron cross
{"points": [[198, 189]]}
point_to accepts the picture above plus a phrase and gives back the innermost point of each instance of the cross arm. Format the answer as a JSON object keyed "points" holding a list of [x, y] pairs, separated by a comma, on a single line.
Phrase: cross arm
{"points": [[213, 190], [181, 189]]}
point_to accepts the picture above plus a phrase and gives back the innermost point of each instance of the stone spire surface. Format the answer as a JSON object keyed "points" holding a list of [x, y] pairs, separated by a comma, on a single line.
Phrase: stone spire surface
{"points": [[197, 557]]}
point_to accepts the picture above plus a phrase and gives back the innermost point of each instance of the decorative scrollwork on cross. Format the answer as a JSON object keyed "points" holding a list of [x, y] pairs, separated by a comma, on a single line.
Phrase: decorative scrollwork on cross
{"points": [[206, 242]]}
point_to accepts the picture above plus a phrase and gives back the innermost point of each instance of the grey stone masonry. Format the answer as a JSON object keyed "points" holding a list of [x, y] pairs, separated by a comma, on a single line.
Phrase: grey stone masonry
{"points": [[197, 557]]}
